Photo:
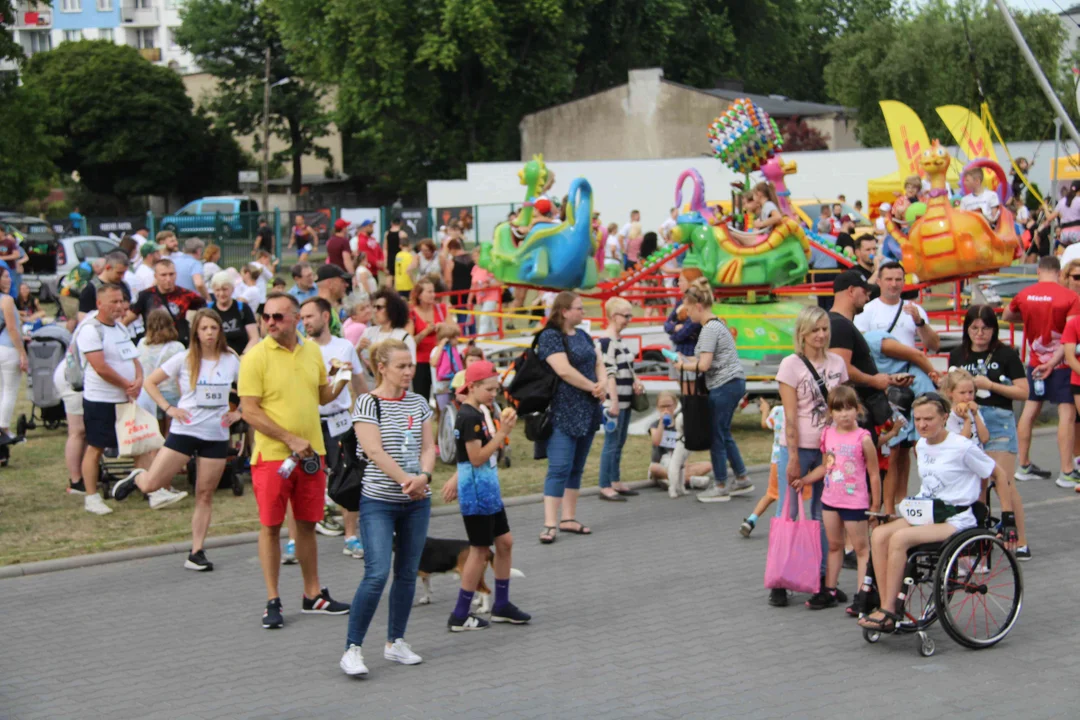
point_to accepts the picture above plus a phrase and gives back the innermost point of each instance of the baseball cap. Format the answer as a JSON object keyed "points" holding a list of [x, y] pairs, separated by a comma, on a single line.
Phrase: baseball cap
{"points": [[366, 221], [847, 218], [849, 279], [341, 224], [479, 371], [542, 206], [329, 272], [148, 247]]}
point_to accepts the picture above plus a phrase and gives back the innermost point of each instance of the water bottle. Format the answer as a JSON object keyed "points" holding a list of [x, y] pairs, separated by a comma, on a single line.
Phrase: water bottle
{"points": [[610, 423], [410, 454], [981, 370], [1040, 387], [668, 420]]}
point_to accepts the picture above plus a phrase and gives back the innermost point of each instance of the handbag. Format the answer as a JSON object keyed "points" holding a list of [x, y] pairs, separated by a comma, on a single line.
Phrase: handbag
{"points": [[347, 479], [136, 431], [539, 426], [697, 417], [639, 403], [794, 558]]}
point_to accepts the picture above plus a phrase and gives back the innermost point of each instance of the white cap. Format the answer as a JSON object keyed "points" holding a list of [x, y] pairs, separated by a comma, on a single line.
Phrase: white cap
{"points": [[885, 207]]}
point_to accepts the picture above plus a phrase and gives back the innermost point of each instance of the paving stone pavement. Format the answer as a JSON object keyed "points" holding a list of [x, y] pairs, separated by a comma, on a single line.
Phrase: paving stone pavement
{"points": [[661, 613]]}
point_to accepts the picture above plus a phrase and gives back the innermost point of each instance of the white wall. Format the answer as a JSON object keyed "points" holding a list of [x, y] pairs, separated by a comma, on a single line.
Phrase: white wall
{"points": [[649, 185]]}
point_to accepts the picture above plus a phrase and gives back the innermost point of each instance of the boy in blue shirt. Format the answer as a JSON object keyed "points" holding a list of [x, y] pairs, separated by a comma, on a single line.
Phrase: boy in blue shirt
{"points": [[477, 488]]}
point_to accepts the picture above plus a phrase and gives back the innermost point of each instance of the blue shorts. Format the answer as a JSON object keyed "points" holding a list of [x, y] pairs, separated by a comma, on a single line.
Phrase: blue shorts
{"points": [[100, 421], [1057, 387], [1001, 424], [846, 514]]}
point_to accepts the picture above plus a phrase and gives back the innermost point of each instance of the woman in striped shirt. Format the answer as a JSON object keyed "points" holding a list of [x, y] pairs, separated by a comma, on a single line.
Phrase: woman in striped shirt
{"points": [[622, 385]]}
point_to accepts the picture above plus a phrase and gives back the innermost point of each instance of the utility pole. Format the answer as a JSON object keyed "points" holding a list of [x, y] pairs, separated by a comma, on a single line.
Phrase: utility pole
{"points": [[266, 135]]}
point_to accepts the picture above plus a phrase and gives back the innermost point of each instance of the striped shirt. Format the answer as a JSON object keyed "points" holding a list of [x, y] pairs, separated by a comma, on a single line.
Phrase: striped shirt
{"points": [[619, 364], [395, 418], [715, 338]]}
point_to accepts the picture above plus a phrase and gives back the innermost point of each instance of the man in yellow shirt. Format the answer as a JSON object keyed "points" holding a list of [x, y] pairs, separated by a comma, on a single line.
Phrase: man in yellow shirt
{"points": [[282, 383], [403, 282]]}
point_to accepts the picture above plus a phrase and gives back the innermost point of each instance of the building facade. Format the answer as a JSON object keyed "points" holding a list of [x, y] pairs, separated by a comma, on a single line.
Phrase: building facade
{"points": [[146, 25]]}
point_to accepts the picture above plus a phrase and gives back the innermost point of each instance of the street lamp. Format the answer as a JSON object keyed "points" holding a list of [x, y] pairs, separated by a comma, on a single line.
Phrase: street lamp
{"points": [[267, 86]]}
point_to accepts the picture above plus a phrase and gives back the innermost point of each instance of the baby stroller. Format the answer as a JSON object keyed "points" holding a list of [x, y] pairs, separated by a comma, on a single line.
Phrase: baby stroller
{"points": [[44, 352]]}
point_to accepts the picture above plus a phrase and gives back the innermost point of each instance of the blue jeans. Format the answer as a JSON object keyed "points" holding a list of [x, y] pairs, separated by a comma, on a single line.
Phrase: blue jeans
{"points": [[379, 521], [566, 461], [722, 402], [808, 460], [611, 455]]}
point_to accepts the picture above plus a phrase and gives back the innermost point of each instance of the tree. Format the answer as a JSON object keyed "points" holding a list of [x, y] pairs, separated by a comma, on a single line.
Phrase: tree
{"points": [[800, 136], [126, 124], [228, 39], [925, 60]]}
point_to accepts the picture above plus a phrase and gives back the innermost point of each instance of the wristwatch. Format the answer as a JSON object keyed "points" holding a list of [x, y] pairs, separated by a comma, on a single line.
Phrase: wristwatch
{"points": [[920, 323], [426, 474]]}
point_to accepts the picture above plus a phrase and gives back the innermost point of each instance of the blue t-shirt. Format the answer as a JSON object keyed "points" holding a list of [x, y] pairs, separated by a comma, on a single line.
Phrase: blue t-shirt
{"points": [[575, 412], [478, 487], [187, 268]]}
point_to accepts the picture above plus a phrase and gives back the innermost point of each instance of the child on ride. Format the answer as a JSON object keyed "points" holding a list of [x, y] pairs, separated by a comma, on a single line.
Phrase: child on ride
{"points": [[953, 470], [965, 418], [849, 455], [978, 198], [769, 215]]}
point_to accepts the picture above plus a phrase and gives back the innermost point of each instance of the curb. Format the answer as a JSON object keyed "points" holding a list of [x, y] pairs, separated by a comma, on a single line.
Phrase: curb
{"points": [[139, 553]]}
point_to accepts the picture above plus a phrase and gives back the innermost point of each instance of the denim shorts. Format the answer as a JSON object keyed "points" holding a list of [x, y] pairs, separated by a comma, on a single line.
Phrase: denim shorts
{"points": [[1001, 424]]}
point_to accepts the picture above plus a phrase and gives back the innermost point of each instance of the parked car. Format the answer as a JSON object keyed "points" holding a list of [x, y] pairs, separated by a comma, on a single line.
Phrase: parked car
{"points": [[999, 288], [215, 216], [51, 261]]}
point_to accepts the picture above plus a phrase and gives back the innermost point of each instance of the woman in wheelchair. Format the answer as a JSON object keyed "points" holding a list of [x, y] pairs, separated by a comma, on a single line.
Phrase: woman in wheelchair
{"points": [[954, 472]]}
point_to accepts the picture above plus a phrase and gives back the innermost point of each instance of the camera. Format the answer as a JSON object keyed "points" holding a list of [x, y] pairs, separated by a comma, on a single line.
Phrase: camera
{"points": [[310, 464]]}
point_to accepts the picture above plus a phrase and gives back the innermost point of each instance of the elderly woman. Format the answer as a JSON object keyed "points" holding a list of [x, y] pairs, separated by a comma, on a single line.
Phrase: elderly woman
{"points": [[622, 386], [237, 317], [717, 357], [426, 262], [425, 315], [357, 307], [575, 411]]}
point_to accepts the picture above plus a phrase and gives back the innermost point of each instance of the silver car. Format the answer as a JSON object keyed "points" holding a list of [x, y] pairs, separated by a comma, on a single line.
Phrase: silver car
{"points": [[49, 262]]}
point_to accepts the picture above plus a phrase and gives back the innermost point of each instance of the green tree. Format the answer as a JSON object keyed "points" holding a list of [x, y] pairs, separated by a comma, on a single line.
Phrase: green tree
{"points": [[922, 58], [126, 124], [228, 39]]}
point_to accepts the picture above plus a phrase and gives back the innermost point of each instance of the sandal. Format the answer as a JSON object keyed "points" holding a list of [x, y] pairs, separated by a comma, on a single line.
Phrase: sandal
{"points": [[580, 530], [886, 624], [548, 536]]}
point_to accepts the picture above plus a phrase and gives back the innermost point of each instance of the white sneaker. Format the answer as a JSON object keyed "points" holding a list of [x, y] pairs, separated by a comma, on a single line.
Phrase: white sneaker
{"points": [[163, 498], [1070, 480], [400, 652], [94, 504], [700, 482], [352, 662], [714, 494]]}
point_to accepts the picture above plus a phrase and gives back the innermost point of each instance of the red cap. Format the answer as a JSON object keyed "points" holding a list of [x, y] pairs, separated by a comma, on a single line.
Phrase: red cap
{"points": [[847, 218], [341, 224], [479, 371], [542, 206]]}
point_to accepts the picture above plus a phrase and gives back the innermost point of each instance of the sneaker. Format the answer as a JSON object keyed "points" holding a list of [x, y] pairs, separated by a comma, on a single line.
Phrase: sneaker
{"points": [[1032, 472], [352, 662], [778, 597], [717, 493], [289, 556], [125, 487], [747, 527], [198, 561], [469, 622], [400, 652], [741, 486], [324, 605], [7, 438], [272, 618], [94, 504], [164, 498], [510, 613], [78, 488], [841, 596], [699, 482], [330, 526], [1070, 479], [850, 561], [821, 599], [1022, 553], [354, 548]]}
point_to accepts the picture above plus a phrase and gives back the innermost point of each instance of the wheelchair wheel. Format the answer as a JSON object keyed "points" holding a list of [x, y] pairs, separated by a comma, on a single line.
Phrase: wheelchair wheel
{"points": [[978, 590], [447, 441], [926, 645], [871, 636]]}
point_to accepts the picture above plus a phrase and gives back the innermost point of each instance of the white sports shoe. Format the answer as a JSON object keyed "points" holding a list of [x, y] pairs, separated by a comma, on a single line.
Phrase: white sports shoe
{"points": [[94, 504], [400, 652], [352, 662], [163, 498], [713, 495]]}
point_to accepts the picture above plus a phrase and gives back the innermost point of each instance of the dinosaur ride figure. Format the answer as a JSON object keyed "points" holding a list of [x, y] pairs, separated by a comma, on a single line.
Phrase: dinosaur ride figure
{"points": [[730, 257], [948, 242]]}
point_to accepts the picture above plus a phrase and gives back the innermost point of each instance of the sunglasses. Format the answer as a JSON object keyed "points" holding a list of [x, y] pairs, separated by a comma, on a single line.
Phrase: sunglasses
{"points": [[276, 317], [1075, 277], [379, 306]]}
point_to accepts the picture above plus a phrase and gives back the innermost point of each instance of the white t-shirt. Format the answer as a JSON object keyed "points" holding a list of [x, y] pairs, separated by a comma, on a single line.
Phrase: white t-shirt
{"points": [[986, 202], [120, 355], [624, 232], [876, 315], [208, 402], [666, 227], [612, 247], [129, 280], [144, 279], [250, 294], [767, 209], [1023, 214], [954, 424], [339, 349], [952, 471]]}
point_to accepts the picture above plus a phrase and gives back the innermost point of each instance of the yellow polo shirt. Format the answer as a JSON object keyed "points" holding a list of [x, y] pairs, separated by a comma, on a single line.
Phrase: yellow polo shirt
{"points": [[287, 386], [402, 281]]}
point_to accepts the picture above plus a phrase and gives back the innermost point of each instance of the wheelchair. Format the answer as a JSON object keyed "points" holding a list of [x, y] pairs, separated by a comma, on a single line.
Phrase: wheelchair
{"points": [[970, 582]]}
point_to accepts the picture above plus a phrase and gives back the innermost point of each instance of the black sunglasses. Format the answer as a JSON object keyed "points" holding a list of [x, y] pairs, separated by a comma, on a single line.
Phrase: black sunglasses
{"points": [[276, 317], [379, 306], [1074, 277]]}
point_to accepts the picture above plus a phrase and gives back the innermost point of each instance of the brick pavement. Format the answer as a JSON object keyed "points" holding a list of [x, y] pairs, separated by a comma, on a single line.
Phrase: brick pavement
{"points": [[660, 614]]}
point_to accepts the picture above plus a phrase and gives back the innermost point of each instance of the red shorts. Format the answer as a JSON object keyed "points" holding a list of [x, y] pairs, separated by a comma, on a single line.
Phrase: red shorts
{"points": [[273, 493]]}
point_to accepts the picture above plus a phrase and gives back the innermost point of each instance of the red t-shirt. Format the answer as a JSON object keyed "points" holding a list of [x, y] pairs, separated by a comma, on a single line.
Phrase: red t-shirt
{"points": [[1071, 336], [1044, 307], [335, 249], [374, 252]]}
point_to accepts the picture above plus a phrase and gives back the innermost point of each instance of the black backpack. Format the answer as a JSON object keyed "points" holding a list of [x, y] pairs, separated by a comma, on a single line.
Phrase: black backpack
{"points": [[534, 381], [347, 479]]}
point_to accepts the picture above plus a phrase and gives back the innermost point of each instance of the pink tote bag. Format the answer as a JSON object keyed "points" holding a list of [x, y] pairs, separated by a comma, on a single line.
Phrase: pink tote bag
{"points": [[794, 559]]}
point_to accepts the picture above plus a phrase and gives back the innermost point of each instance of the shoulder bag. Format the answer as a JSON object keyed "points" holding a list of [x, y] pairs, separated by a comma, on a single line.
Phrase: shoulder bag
{"points": [[347, 479]]}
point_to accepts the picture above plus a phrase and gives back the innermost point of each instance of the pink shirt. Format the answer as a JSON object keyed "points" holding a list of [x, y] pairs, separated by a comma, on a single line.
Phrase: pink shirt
{"points": [[811, 407], [480, 276], [845, 469], [633, 248], [352, 330]]}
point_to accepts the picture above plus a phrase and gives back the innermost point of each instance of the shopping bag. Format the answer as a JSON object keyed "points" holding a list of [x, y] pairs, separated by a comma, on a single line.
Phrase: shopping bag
{"points": [[136, 431], [794, 560], [697, 417]]}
